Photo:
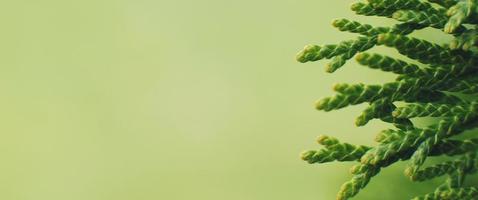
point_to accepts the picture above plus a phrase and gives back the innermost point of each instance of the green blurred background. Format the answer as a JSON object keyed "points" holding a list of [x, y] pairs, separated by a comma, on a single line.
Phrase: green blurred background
{"points": [[175, 100]]}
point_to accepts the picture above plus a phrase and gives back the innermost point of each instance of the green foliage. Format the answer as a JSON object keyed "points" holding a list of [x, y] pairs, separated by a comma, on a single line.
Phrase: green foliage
{"points": [[434, 88]]}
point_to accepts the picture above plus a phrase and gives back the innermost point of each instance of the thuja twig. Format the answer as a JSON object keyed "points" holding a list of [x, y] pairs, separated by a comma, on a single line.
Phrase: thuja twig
{"points": [[430, 89]]}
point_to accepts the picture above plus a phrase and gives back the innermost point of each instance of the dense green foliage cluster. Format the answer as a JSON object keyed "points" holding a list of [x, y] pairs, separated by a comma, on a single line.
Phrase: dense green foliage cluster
{"points": [[434, 88]]}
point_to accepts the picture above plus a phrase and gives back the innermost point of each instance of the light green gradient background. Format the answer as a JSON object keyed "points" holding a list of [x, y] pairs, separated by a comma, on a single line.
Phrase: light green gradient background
{"points": [[174, 100]]}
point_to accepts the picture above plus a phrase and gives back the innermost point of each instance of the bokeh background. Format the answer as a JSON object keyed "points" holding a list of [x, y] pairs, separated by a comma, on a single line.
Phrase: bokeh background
{"points": [[176, 100]]}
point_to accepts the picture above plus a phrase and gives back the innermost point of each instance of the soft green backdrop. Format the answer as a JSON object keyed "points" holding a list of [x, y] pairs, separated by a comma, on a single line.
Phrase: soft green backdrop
{"points": [[174, 100]]}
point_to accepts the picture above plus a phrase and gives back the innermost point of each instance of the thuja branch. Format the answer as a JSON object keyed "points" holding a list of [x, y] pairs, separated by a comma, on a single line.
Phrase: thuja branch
{"points": [[431, 89]]}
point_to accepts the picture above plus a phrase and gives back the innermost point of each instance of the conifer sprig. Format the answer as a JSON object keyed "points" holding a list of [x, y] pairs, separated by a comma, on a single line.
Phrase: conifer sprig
{"points": [[432, 89]]}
